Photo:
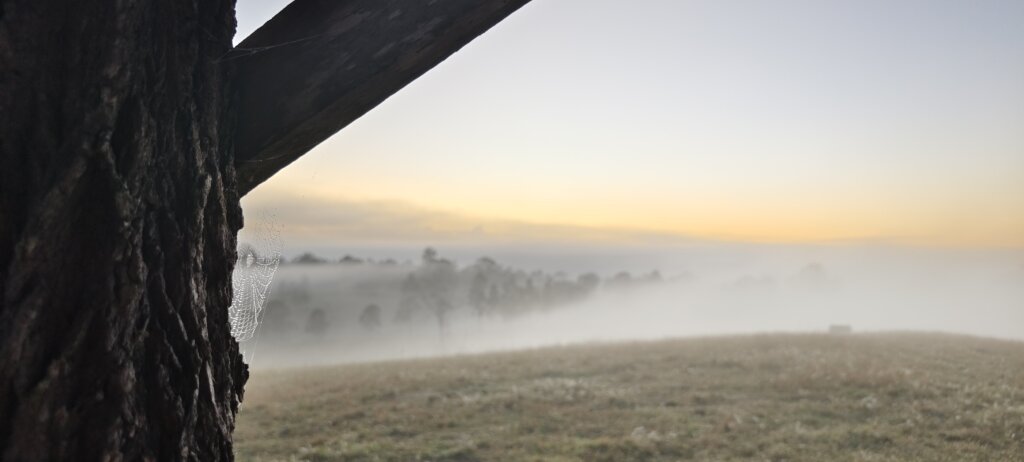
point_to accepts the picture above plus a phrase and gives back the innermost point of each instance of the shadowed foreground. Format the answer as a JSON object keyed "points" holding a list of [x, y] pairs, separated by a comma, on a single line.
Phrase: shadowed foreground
{"points": [[777, 397]]}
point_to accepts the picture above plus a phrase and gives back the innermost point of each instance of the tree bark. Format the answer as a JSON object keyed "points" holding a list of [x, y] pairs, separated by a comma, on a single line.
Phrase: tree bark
{"points": [[119, 199], [118, 217]]}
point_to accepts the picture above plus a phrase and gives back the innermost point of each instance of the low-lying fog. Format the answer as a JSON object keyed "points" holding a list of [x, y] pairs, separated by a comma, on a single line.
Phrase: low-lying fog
{"points": [[399, 303]]}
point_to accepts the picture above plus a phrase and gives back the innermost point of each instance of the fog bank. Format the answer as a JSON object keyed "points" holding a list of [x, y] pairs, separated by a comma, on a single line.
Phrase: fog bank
{"points": [[703, 290]]}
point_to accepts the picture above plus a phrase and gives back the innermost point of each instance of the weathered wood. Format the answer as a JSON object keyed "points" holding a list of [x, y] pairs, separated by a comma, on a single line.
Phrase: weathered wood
{"points": [[321, 64]]}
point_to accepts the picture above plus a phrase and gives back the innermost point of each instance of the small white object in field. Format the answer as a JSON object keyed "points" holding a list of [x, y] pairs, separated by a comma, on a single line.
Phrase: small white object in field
{"points": [[840, 329]]}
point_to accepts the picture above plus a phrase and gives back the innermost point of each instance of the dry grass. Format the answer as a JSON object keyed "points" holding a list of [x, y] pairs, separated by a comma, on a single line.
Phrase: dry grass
{"points": [[779, 397]]}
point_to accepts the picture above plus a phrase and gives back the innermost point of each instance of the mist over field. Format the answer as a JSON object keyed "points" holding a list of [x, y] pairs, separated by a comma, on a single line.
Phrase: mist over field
{"points": [[692, 145], [698, 290], [645, 231]]}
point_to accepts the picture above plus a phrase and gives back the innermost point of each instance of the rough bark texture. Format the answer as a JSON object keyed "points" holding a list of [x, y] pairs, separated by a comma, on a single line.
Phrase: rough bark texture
{"points": [[119, 197], [352, 54], [118, 216]]}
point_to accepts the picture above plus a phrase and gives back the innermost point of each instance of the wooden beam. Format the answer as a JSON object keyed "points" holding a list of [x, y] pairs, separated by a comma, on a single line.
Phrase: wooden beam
{"points": [[321, 64]]}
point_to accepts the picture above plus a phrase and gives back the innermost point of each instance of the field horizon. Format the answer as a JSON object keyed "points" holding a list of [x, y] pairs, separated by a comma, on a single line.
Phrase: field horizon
{"points": [[278, 367], [776, 396]]}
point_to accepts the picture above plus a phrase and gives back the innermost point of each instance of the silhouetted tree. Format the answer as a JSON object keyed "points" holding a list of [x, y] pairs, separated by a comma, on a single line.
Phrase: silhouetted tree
{"points": [[317, 323], [478, 294], [437, 286], [411, 299], [590, 281], [370, 317], [276, 317], [309, 258], [814, 277], [493, 295], [429, 256], [294, 292], [653, 276], [620, 280], [350, 260]]}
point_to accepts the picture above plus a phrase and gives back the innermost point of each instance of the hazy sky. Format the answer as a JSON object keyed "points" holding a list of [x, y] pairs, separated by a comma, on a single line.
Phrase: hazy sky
{"points": [[755, 120]]}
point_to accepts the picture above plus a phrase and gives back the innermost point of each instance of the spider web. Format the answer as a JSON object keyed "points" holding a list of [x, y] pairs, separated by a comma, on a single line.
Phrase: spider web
{"points": [[257, 262]]}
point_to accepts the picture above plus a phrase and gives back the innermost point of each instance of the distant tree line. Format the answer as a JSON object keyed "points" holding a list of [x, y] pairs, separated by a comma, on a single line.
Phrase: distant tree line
{"points": [[309, 258], [433, 289]]}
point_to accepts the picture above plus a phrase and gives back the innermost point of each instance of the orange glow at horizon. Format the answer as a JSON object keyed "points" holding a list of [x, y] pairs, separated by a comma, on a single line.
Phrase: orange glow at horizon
{"points": [[753, 121], [969, 224]]}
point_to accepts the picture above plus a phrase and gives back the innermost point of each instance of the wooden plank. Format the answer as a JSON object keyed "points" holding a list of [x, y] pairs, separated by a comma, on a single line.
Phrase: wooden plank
{"points": [[321, 64]]}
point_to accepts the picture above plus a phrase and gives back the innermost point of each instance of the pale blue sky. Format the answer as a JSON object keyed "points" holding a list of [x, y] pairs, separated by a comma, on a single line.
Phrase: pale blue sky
{"points": [[761, 120]]}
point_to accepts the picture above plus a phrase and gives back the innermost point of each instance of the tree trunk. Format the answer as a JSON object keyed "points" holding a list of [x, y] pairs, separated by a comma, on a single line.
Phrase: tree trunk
{"points": [[118, 216], [119, 197]]}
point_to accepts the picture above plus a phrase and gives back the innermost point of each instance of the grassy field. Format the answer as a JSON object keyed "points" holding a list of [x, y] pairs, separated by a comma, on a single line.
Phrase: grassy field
{"points": [[774, 397]]}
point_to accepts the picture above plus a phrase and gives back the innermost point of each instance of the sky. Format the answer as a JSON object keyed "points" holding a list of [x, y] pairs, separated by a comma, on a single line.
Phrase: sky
{"points": [[661, 120]]}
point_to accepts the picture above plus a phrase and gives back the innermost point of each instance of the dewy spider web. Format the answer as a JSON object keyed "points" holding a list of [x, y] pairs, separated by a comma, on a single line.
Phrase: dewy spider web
{"points": [[254, 270]]}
